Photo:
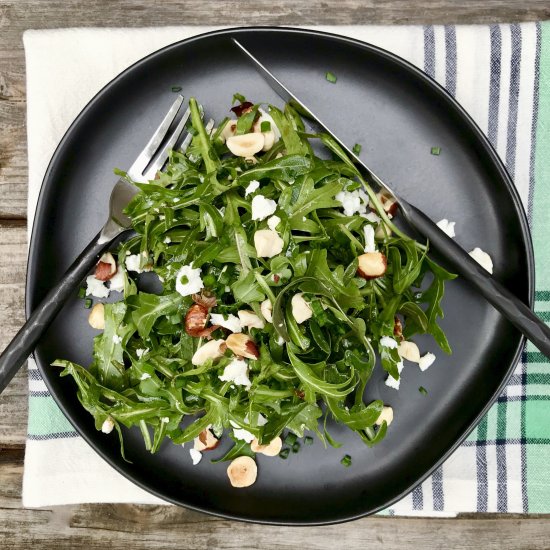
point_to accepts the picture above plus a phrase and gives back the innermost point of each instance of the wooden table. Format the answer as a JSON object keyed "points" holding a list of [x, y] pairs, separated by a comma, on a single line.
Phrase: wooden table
{"points": [[129, 526]]}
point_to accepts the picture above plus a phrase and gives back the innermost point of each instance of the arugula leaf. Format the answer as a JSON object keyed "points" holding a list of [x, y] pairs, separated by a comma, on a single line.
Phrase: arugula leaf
{"points": [[151, 307]]}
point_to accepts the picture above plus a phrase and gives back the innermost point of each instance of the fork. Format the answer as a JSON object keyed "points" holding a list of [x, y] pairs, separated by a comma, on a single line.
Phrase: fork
{"points": [[147, 164]]}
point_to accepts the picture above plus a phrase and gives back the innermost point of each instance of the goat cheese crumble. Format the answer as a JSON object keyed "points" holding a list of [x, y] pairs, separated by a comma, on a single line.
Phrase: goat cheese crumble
{"points": [[447, 227], [237, 373], [391, 382], [262, 207], [95, 287], [230, 322], [252, 186], [188, 280]]}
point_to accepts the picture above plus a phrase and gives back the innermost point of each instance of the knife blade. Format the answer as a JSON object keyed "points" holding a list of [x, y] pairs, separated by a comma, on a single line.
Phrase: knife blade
{"points": [[511, 307]]}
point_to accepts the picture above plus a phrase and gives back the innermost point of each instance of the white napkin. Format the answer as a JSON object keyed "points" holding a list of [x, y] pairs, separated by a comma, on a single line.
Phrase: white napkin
{"points": [[65, 69]]}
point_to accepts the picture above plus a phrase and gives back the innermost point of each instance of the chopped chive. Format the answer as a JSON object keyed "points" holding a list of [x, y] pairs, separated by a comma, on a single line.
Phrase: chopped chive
{"points": [[82, 292], [209, 280], [265, 126], [331, 77], [423, 390], [357, 149], [176, 88], [290, 438], [296, 447], [346, 461], [308, 440], [238, 97], [284, 453], [88, 303], [435, 151]]}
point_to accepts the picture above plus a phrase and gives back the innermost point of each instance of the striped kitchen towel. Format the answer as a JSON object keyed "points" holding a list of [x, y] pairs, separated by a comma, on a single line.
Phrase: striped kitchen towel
{"points": [[501, 75]]}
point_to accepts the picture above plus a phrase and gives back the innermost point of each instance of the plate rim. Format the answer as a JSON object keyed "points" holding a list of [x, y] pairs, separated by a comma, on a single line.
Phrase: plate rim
{"points": [[489, 151]]}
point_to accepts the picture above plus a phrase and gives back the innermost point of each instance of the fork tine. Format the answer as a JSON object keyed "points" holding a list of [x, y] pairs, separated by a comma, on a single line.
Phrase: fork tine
{"points": [[189, 137], [162, 157], [143, 159]]}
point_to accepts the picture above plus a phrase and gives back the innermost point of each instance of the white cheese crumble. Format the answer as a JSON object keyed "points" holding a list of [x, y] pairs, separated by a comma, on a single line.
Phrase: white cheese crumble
{"points": [[262, 420], [231, 322], [252, 186], [273, 222], [249, 319], [116, 283], [95, 287], [140, 352], [236, 372], [388, 342], [167, 240], [196, 456], [188, 280], [107, 426], [145, 376], [262, 207], [482, 258], [372, 217], [132, 262], [391, 382], [426, 361], [370, 245], [116, 339], [353, 202], [241, 433], [165, 420], [447, 227], [266, 117]]}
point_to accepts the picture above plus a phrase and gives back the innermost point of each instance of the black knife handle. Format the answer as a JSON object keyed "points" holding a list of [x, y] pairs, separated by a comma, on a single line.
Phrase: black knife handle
{"points": [[518, 313], [26, 339]]}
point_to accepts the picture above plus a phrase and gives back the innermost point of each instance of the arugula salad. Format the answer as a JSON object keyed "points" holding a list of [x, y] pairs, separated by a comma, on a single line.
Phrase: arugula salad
{"points": [[283, 282]]}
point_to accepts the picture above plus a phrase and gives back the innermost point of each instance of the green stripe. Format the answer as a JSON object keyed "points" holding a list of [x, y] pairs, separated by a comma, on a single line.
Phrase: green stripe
{"points": [[538, 378], [45, 417], [536, 425], [544, 316], [536, 357]]}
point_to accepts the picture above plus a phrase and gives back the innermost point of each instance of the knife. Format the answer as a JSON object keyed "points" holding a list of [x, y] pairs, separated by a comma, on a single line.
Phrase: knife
{"points": [[510, 306]]}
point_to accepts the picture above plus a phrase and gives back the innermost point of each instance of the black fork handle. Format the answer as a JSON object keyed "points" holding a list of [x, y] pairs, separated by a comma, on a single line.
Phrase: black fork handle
{"points": [[19, 349]]}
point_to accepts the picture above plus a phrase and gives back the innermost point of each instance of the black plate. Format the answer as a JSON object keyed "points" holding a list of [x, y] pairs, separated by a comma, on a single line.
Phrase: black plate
{"points": [[397, 114]]}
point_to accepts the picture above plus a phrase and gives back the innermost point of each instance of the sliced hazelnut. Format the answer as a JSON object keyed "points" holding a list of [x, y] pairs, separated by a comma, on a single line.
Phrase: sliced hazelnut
{"points": [[269, 140], [397, 328], [266, 307], [273, 448], [228, 130], [389, 203], [108, 425], [97, 317], [195, 320], [409, 351], [246, 145], [205, 441], [105, 268], [382, 231], [372, 265], [211, 350], [242, 345], [242, 109], [387, 415], [301, 310], [242, 471], [249, 319], [268, 243]]}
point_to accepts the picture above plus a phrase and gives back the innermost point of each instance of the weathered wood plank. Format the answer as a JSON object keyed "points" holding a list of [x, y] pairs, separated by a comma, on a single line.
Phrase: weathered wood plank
{"points": [[18, 15], [13, 401], [131, 526]]}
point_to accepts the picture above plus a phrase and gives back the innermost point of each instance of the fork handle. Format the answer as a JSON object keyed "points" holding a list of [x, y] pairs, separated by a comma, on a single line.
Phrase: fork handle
{"points": [[26, 339], [518, 313]]}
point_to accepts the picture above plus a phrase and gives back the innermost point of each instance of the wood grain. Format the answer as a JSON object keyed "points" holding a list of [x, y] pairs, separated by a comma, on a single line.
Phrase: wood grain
{"points": [[129, 526], [142, 527]]}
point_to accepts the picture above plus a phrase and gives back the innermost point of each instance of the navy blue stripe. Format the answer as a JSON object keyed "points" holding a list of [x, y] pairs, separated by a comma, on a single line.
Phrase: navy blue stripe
{"points": [[437, 489], [429, 50], [418, 498], [34, 374], [494, 83], [513, 100], [45, 393], [450, 59], [59, 435]]}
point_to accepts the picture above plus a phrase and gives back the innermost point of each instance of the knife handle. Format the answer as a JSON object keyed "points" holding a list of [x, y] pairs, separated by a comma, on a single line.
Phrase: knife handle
{"points": [[518, 313], [26, 339]]}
